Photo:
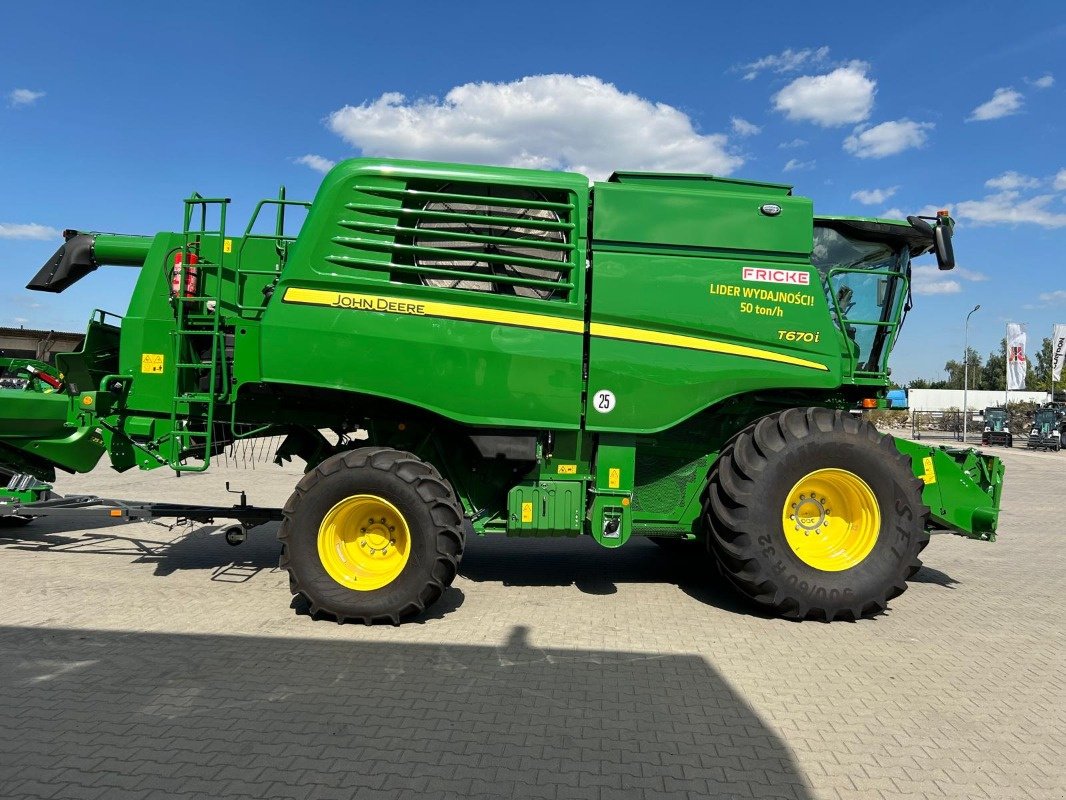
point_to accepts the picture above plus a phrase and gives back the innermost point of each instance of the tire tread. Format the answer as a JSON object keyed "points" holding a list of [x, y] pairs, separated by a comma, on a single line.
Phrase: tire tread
{"points": [[434, 491], [732, 491]]}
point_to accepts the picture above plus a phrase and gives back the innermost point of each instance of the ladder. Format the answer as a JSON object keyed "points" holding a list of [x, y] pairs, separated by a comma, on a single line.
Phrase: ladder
{"points": [[198, 340]]}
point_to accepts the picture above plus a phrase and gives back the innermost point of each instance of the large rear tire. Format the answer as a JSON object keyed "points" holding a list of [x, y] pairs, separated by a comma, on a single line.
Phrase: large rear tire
{"points": [[813, 514], [373, 535]]}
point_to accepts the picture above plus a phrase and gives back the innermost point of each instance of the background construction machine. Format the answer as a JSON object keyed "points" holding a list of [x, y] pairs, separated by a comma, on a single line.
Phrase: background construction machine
{"points": [[996, 429], [453, 348], [1048, 424]]}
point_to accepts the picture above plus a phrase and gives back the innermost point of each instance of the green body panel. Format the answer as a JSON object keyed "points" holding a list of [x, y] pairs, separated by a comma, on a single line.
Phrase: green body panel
{"points": [[571, 357], [42, 431], [546, 508], [15, 497], [659, 385], [709, 214], [32, 415], [675, 261], [962, 487], [471, 371]]}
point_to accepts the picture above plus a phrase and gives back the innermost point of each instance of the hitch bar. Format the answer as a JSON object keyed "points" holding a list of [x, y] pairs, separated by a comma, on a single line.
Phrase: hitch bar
{"points": [[91, 507]]}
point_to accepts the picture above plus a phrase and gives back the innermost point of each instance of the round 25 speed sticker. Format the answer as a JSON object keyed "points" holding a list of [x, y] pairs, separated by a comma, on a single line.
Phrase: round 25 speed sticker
{"points": [[603, 401]]}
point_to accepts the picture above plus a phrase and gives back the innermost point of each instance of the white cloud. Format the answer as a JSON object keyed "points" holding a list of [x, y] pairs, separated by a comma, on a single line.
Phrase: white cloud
{"points": [[871, 197], [27, 230], [787, 60], [1057, 297], [1059, 182], [545, 121], [794, 164], [925, 211], [1045, 82], [1011, 180], [1004, 102], [317, 163], [23, 97], [887, 139], [970, 274], [928, 279], [792, 144], [840, 97], [1007, 208], [741, 127]]}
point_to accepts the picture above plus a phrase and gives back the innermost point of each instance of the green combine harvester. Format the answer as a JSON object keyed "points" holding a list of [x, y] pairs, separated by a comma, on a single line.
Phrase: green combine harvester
{"points": [[455, 348]]}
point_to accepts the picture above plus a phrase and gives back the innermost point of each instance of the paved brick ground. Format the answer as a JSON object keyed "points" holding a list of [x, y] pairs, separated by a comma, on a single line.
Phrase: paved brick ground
{"points": [[146, 662]]}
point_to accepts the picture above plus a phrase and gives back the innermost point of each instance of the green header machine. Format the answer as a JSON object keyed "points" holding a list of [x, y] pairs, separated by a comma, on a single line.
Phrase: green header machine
{"points": [[453, 348]]}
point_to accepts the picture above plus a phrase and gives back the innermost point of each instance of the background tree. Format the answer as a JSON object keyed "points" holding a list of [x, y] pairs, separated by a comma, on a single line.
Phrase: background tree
{"points": [[975, 367], [956, 371], [1039, 375], [994, 371]]}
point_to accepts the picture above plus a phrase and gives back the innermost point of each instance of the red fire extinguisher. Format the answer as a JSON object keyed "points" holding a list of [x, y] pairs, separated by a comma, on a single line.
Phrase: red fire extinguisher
{"points": [[191, 279]]}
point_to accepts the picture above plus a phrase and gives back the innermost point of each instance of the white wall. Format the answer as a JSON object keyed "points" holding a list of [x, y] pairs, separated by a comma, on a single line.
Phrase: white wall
{"points": [[976, 399]]}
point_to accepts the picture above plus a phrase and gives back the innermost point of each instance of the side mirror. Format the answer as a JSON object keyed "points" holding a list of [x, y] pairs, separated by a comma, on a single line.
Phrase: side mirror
{"points": [[945, 252], [882, 291]]}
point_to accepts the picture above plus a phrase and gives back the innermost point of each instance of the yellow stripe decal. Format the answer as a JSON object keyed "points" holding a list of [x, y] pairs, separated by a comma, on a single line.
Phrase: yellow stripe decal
{"points": [[694, 343], [423, 308]]}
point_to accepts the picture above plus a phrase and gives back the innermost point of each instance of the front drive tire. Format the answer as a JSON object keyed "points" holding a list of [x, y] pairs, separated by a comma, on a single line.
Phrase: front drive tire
{"points": [[373, 535], [813, 514]]}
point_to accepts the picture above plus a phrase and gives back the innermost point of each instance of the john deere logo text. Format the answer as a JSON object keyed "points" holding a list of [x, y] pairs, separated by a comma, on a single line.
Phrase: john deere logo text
{"points": [[792, 276], [377, 304]]}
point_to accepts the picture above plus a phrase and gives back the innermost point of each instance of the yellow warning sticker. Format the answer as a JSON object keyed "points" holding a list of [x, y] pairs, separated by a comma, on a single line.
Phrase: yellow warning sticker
{"points": [[152, 363], [527, 512], [227, 245], [929, 475], [614, 478], [567, 469]]}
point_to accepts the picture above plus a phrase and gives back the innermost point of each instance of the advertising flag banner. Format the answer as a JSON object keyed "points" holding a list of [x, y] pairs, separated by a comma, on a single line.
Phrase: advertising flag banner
{"points": [[1058, 350], [1015, 356]]}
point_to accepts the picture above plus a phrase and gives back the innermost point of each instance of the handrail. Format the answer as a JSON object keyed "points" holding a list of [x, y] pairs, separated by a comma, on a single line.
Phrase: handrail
{"points": [[259, 207], [892, 325], [99, 315]]}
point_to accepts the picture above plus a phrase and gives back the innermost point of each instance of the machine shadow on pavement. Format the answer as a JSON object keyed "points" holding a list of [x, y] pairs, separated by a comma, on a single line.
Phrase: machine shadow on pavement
{"points": [[158, 715], [198, 547], [935, 577], [578, 562], [594, 570]]}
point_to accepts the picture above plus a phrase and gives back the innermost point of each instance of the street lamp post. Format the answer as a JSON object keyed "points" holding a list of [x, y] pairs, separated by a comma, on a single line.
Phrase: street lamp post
{"points": [[966, 374]]}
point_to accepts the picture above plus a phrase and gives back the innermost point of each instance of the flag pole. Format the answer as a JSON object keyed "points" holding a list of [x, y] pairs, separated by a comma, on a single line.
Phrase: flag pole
{"points": [[1006, 365]]}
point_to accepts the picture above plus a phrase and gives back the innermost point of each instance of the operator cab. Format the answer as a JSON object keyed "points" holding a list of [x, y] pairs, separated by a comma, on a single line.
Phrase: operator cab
{"points": [[865, 266]]}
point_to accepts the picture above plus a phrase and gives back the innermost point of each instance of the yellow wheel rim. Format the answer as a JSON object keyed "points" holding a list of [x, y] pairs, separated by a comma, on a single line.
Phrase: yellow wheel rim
{"points": [[364, 542], [831, 519]]}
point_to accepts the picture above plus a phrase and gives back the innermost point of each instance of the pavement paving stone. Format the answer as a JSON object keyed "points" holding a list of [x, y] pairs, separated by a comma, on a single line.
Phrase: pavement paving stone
{"points": [[141, 661]]}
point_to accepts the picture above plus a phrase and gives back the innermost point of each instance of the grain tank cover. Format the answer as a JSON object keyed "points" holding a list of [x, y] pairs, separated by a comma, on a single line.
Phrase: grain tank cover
{"points": [[701, 212], [686, 180]]}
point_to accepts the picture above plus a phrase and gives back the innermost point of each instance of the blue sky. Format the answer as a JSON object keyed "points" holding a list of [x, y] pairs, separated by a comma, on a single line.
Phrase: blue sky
{"points": [[108, 118]]}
